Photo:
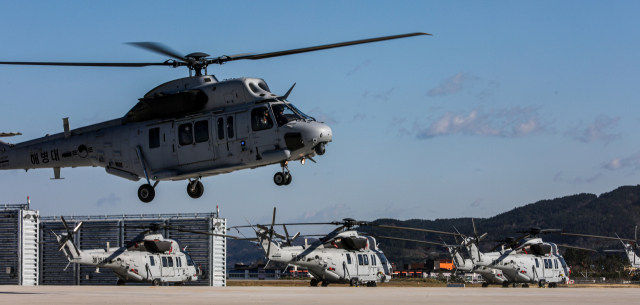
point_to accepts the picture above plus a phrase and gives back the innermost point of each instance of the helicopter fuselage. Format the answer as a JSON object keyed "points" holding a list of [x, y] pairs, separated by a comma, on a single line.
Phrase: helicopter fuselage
{"points": [[185, 129]]}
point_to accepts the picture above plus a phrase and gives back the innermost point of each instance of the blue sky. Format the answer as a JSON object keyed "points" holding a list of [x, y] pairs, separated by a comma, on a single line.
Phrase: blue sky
{"points": [[508, 103]]}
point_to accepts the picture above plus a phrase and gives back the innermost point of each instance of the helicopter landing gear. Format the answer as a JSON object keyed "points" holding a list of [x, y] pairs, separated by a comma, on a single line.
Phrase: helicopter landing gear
{"points": [[146, 193], [505, 284], [178, 284], [195, 189], [541, 284], [353, 283], [155, 282], [525, 286], [325, 283], [485, 285], [372, 284], [514, 285], [314, 282], [284, 177], [120, 282]]}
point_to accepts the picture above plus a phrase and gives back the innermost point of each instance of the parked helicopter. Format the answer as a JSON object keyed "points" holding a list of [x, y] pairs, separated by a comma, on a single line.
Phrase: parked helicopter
{"points": [[148, 258], [630, 249], [186, 129]]}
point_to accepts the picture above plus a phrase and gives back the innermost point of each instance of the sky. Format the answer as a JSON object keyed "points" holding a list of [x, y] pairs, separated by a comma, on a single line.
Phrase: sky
{"points": [[508, 103]]}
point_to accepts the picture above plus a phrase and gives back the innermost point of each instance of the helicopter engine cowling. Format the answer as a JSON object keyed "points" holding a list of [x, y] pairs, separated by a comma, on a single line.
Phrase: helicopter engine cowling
{"points": [[163, 106]]}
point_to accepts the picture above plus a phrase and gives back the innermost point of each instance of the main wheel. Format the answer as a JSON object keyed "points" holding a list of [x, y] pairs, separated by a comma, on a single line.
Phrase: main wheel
{"points": [[279, 178], [197, 191], [485, 285], [314, 282], [146, 193], [374, 284], [120, 282], [288, 179], [514, 285], [178, 284], [525, 286], [325, 283], [505, 284], [353, 283], [155, 282]]}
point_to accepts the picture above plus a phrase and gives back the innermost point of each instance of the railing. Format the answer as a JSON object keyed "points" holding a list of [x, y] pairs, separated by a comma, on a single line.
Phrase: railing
{"points": [[20, 206], [131, 216]]}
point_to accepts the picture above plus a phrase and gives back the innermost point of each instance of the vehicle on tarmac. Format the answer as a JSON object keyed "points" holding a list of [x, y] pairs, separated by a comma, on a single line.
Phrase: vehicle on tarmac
{"points": [[147, 258], [186, 129]]}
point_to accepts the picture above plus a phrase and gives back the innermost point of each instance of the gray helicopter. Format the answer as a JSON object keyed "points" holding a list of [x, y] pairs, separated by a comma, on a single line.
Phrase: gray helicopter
{"points": [[148, 258], [186, 129]]}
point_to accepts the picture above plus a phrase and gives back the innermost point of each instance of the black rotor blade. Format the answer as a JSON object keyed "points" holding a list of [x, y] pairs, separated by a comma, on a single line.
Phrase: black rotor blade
{"points": [[410, 229], [214, 234], [412, 240], [83, 64], [577, 248], [286, 233], [158, 48], [290, 224], [593, 236], [316, 48]]}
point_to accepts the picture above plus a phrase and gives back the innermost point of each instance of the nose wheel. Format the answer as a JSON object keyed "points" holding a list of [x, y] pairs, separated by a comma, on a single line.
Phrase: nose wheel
{"points": [[195, 189], [284, 177]]}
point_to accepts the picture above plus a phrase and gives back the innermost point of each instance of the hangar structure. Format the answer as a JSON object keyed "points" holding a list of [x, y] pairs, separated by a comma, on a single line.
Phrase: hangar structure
{"points": [[30, 255]]}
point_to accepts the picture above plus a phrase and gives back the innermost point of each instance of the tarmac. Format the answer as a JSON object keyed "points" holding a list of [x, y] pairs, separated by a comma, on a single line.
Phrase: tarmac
{"points": [[311, 295]]}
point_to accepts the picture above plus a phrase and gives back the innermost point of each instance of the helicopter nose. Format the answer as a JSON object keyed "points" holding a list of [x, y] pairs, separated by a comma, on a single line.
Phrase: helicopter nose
{"points": [[321, 135]]}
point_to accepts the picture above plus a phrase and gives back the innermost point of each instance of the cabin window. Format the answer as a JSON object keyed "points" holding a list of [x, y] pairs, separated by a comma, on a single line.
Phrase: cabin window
{"points": [[154, 137], [366, 259], [360, 260], [164, 261], [151, 261], [220, 128], [178, 262], [201, 131], [170, 259], [348, 259], [373, 260], [555, 261], [230, 132], [260, 119], [185, 134], [537, 265]]}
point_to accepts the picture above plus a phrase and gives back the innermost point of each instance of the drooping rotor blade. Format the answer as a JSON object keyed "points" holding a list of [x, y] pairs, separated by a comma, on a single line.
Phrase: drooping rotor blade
{"points": [[410, 229], [273, 221], [286, 233], [412, 240], [574, 247], [159, 48], [288, 224], [619, 250], [85, 64], [214, 234], [77, 228], [316, 48], [295, 237], [592, 236], [64, 222], [477, 239]]}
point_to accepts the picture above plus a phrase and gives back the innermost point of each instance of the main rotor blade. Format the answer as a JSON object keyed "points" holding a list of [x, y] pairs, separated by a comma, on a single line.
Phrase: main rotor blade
{"points": [[83, 64], [158, 48], [412, 240], [316, 48], [410, 229], [290, 224], [577, 248], [496, 247], [592, 236], [211, 234]]}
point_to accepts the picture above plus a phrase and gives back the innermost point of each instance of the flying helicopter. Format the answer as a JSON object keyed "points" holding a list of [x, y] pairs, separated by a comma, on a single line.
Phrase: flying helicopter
{"points": [[186, 129], [147, 258]]}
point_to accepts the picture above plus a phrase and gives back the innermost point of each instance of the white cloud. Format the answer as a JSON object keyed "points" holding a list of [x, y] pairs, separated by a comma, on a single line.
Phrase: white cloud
{"points": [[111, 200], [453, 84], [512, 122], [632, 163], [596, 131]]}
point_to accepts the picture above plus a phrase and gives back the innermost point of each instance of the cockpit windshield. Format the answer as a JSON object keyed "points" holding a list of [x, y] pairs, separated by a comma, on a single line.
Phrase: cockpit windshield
{"points": [[302, 114], [284, 114], [189, 260], [383, 259]]}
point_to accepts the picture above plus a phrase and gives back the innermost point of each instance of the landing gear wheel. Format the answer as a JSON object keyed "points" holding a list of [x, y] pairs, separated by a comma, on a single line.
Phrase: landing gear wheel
{"points": [[525, 286], [120, 282], [178, 284], [146, 193], [197, 191], [553, 285], [288, 179], [314, 282], [485, 285], [325, 283], [353, 283], [541, 284], [279, 179], [373, 284], [155, 282], [505, 284], [514, 285]]}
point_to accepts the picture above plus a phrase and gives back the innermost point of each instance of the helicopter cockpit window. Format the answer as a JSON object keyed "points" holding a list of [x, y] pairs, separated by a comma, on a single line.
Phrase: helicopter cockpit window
{"points": [[151, 261], [260, 119], [284, 114], [348, 259], [360, 260], [383, 259], [170, 259], [154, 137], [185, 134], [302, 114], [189, 260], [201, 130]]}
